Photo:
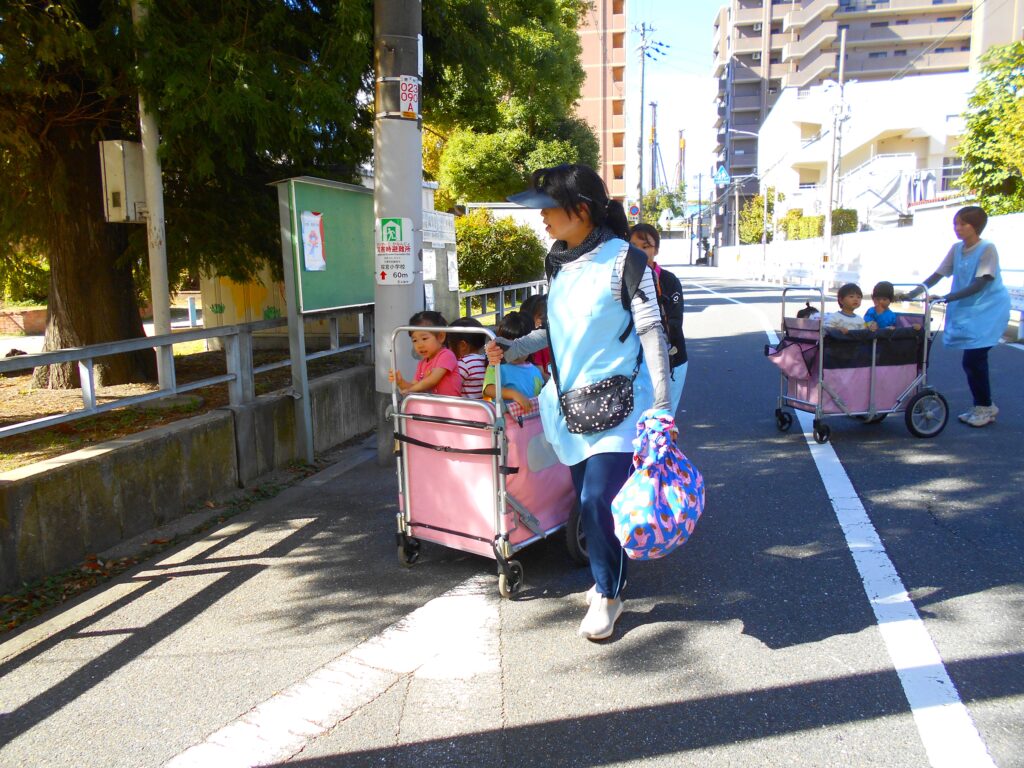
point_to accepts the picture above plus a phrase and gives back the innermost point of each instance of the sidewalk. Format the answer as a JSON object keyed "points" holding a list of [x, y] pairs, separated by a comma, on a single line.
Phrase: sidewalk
{"points": [[153, 663]]}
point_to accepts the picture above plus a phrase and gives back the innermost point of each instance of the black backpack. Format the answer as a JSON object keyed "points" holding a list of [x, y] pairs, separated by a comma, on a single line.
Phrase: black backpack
{"points": [[632, 273]]}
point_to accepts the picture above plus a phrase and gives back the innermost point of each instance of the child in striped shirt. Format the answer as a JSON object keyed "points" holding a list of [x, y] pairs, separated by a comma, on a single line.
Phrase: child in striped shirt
{"points": [[468, 348]]}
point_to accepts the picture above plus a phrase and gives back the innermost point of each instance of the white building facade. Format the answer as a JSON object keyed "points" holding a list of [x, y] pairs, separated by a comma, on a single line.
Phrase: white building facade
{"points": [[896, 146]]}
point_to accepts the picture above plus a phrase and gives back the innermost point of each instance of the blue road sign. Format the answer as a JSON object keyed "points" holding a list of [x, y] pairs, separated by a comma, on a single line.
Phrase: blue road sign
{"points": [[722, 176]]}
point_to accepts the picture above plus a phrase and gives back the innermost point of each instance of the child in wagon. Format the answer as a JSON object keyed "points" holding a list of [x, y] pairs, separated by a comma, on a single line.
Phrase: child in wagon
{"points": [[438, 371]]}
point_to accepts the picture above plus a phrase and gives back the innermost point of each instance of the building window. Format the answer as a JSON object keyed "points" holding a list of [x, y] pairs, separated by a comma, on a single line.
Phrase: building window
{"points": [[952, 167], [945, 18], [618, 40], [879, 24], [900, 22], [900, 52], [944, 50], [878, 54]]}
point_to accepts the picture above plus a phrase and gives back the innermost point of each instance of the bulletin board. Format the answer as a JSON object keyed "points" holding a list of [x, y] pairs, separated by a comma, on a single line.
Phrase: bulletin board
{"points": [[328, 226]]}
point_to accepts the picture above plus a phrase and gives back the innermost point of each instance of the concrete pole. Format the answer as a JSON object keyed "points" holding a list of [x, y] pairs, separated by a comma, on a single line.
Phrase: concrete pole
{"points": [[833, 161], [640, 141], [654, 145], [736, 213], [398, 184], [764, 235], [155, 235]]}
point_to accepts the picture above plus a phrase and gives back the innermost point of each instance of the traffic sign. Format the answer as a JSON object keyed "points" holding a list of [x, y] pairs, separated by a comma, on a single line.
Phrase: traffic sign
{"points": [[722, 176], [634, 210]]}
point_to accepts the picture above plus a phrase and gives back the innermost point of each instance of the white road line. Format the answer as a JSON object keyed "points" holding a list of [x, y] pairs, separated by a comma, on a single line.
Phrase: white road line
{"points": [[945, 726], [454, 633]]}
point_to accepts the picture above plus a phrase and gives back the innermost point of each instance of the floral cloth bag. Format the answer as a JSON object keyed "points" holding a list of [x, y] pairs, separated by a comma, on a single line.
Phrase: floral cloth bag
{"points": [[657, 508]]}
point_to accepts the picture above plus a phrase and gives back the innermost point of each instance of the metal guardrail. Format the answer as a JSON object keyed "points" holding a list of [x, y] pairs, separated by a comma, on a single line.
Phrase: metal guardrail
{"points": [[240, 376], [503, 298]]}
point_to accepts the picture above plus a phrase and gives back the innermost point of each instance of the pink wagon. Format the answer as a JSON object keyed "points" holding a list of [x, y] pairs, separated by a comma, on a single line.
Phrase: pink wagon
{"points": [[478, 478], [865, 375]]}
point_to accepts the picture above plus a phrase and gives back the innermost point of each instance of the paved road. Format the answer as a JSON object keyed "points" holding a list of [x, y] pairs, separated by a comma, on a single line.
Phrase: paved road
{"points": [[775, 637]]}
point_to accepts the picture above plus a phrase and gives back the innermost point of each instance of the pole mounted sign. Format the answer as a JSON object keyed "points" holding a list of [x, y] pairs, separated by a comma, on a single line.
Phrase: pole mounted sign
{"points": [[410, 97], [722, 177], [394, 262]]}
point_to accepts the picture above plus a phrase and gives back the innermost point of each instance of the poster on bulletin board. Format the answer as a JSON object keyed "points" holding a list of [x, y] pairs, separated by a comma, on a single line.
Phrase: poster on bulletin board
{"points": [[327, 233]]}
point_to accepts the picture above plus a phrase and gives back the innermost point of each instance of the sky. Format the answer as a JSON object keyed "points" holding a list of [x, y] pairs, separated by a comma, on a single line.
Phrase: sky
{"points": [[680, 82]]}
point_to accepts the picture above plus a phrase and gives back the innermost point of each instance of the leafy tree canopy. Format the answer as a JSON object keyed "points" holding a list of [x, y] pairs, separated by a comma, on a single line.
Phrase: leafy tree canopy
{"points": [[496, 251], [657, 200], [246, 92], [752, 221], [993, 142], [536, 81]]}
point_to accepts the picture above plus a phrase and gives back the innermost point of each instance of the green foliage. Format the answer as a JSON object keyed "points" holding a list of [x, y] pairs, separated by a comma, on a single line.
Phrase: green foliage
{"points": [[657, 200], [496, 252], [844, 221], [993, 142], [24, 277], [789, 224], [752, 219], [524, 83], [810, 226], [247, 93]]}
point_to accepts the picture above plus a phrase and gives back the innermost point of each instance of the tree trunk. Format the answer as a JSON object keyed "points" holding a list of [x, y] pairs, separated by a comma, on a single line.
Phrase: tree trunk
{"points": [[92, 292]]}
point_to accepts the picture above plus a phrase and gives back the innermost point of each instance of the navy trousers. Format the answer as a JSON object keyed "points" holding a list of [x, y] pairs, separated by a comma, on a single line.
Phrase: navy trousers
{"points": [[597, 480], [975, 365]]}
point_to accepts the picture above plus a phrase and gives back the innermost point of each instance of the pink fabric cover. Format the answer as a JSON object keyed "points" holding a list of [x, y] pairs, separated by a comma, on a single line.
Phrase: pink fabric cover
{"points": [[853, 385], [790, 360], [457, 492]]}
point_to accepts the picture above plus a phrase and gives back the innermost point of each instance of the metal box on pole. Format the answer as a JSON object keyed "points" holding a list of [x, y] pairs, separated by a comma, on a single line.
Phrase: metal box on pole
{"points": [[124, 186]]}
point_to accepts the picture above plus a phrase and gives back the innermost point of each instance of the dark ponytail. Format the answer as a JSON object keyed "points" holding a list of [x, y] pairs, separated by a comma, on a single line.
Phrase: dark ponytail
{"points": [[576, 185], [616, 220]]}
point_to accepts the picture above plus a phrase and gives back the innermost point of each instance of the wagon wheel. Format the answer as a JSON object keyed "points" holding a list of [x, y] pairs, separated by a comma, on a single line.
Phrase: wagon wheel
{"points": [[783, 420], [927, 414], [575, 540], [822, 432], [511, 583], [408, 550]]}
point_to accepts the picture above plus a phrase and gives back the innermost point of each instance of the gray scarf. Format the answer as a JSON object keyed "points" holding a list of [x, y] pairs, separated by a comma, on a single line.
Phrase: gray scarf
{"points": [[559, 255]]}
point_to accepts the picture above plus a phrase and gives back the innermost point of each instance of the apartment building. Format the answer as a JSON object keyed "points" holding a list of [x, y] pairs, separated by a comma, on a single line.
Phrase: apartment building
{"points": [[602, 100], [762, 47]]}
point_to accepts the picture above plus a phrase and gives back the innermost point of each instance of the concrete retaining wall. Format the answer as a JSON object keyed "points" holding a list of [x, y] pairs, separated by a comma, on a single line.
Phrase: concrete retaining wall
{"points": [[54, 513]]}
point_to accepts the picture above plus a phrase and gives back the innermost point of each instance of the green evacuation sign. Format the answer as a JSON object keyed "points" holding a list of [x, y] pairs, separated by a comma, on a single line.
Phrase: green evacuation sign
{"points": [[394, 260]]}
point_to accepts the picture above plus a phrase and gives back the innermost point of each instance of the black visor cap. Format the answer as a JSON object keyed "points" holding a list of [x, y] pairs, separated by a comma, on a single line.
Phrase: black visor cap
{"points": [[533, 198]]}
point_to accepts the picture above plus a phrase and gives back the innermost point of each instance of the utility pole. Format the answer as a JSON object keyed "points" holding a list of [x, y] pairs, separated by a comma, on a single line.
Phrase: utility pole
{"points": [[681, 166], [398, 178], [700, 212], [833, 161], [155, 234], [736, 213], [653, 145], [648, 49], [640, 142], [764, 235]]}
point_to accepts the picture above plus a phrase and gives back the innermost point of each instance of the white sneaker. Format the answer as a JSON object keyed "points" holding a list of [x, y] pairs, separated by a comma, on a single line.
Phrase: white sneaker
{"points": [[599, 623], [968, 413], [591, 593], [982, 416]]}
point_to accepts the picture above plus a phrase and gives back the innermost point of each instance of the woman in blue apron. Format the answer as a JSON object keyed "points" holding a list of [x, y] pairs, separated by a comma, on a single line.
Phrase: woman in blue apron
{"points": [[592, 337], [978, 307]]}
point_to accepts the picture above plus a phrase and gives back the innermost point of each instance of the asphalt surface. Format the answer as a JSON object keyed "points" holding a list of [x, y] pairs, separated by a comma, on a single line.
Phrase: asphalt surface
{"points": [[754, 645]]}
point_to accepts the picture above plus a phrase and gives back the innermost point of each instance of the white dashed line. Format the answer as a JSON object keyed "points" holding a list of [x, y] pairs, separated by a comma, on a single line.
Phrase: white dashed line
{"points": [[947, 731], [454, 635]]}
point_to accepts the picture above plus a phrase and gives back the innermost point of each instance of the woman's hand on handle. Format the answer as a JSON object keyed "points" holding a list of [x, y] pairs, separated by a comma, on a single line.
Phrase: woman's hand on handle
{"points": [[495, 354]]}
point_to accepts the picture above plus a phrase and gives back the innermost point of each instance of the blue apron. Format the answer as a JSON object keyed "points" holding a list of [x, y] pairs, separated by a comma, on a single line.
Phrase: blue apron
{"points": [[977, 321], [584, 324]]}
